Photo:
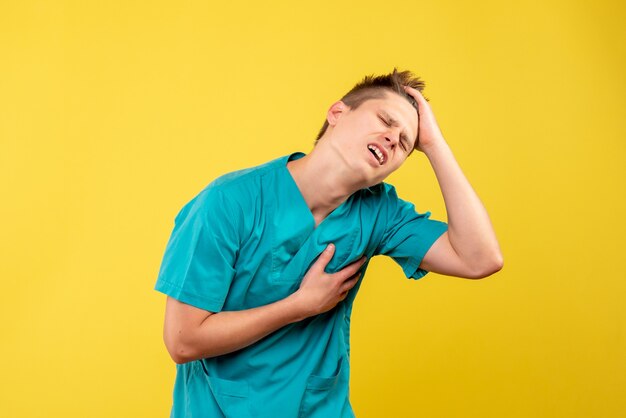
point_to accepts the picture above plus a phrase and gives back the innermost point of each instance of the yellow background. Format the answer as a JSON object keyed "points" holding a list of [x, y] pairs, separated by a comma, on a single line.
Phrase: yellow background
{"points": [[115, 114]]}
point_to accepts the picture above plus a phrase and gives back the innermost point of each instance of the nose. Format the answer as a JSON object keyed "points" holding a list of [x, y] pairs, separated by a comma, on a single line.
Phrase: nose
{"points": [[392, 137]]}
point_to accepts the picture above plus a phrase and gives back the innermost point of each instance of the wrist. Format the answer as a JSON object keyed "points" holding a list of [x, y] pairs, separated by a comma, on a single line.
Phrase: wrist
{"points": [[434, 146], [296, 309]]}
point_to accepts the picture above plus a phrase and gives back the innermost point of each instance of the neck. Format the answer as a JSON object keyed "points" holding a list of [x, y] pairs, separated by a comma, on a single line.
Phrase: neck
{"points": [[324, 180]]}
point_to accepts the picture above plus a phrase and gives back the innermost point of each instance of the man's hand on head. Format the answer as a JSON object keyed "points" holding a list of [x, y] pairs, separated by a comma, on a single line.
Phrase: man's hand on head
{"points": [[428, 132]]}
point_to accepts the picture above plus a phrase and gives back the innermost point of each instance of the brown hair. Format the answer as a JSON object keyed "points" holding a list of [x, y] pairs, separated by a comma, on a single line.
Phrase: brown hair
{"points": [[372, 87]]}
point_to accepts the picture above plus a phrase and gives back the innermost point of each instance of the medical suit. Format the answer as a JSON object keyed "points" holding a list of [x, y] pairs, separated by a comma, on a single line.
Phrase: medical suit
{"points": [[247, 240]]}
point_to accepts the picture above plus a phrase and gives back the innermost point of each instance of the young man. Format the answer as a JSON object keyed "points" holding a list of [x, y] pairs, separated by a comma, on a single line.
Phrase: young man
{"points": [[263, 265]]}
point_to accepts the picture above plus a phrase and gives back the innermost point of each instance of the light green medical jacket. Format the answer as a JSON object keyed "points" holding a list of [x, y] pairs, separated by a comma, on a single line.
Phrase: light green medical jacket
{"points": [[247, 240]]}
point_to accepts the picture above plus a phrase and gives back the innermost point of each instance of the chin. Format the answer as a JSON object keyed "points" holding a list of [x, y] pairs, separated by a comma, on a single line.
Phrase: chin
{"points": [[373, 182]]}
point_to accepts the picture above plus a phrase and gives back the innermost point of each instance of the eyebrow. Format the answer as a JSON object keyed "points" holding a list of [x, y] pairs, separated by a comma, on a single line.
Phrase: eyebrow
{"points": [[396, 123]]}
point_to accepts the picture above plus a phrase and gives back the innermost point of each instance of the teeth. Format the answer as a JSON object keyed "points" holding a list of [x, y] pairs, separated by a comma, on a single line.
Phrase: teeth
{"points": [[381, 157]]}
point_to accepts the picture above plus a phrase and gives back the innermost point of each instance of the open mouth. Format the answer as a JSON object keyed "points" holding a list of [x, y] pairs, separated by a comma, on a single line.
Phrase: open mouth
{"points": [[377, 153]]}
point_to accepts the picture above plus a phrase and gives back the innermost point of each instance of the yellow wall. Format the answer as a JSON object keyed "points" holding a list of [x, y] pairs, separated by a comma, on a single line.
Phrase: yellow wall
{"points": [[114, 114]]}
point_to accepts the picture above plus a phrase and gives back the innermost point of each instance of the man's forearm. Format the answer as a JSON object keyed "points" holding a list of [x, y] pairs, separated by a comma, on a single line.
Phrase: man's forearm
{"points": [[228, 331], [469, 227]]}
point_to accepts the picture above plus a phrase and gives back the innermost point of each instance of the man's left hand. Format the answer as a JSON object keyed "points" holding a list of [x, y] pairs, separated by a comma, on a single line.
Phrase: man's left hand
{"points": [[429, 133]]}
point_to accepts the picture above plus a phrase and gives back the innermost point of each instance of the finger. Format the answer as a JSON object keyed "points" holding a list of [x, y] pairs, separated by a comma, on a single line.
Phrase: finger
{"points": [[410, 91], [351, 268], [349, 284], [324, 258], [417, 95]]}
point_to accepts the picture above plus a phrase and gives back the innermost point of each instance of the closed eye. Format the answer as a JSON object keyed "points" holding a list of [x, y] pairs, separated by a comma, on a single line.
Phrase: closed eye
{"points": [[402, 143]]}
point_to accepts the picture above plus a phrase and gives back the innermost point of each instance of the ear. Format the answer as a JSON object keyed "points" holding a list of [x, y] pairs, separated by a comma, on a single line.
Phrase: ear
{"points": [[335, 112]]}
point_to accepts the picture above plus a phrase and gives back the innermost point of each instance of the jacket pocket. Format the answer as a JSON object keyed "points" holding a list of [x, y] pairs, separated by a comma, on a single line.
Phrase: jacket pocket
{"points": [[324, 396], [231, 397]]}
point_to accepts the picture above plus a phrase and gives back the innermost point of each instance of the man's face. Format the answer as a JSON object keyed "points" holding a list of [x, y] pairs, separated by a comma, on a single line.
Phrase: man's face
{"points": [[377, 137]]}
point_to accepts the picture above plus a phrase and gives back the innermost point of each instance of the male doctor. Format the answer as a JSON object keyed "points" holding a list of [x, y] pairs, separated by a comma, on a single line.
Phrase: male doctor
{"points": [[263, 265]]}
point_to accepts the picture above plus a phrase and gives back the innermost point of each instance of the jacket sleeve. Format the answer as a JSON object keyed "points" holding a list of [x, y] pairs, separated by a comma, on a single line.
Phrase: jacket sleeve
{"points": [[408, 234], [198, 264]]}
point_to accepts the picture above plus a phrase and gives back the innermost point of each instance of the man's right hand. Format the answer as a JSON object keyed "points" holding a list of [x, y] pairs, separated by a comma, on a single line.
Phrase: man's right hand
{"points": [[192, 333], [319, 291]]}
